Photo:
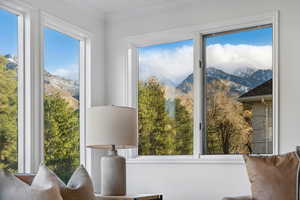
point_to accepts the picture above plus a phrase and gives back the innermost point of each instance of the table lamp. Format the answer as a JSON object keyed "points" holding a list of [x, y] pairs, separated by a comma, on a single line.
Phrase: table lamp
{"points": [[112, 128]]}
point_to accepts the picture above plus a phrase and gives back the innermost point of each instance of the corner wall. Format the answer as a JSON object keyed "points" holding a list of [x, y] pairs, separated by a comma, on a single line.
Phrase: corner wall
{"points": [[198, 180]]}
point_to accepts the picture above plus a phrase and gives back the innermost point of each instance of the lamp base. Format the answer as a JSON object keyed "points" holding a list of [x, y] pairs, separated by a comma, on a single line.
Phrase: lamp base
{"points": [[113, 174]]}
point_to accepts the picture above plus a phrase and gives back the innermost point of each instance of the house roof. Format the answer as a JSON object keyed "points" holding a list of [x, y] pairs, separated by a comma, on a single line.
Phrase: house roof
{"points": [[261, 90]]}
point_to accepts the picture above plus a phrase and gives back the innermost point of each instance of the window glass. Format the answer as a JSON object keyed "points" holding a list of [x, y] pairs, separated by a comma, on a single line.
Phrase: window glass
{"points": [[238, 91], [8, 90], [165, 99], [61, 102]]}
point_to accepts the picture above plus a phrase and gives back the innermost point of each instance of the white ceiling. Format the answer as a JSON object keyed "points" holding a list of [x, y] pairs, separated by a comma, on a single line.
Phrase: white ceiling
{"points": [[115, 6]]}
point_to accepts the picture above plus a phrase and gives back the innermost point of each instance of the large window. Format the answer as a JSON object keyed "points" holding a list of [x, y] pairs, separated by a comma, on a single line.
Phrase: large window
{"points": [[59, 138], [221, 104], [238, 91], [61, 102], [165, 99], [8, 90]]}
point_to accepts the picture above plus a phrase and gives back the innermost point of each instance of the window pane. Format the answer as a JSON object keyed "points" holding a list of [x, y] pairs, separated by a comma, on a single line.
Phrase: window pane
{"points": [[238, 86], [61, 103], [165, 99], [8, 90]]}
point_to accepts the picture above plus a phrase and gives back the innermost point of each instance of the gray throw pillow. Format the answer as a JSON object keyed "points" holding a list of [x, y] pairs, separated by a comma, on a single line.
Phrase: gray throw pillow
{"points": [[12, 188]]}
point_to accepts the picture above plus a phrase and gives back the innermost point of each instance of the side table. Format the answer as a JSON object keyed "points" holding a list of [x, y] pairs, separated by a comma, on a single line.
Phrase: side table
{"points": [[131, 197]]}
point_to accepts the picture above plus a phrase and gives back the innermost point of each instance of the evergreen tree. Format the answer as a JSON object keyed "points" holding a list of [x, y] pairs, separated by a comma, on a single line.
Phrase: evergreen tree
{"points": [[184, 130], [156, 135], [61, 136], [8, 117], [61, 128]]}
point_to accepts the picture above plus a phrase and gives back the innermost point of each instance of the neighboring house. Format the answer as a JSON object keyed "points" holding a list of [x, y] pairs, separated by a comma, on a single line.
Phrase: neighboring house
{"points": [[260, 99]]}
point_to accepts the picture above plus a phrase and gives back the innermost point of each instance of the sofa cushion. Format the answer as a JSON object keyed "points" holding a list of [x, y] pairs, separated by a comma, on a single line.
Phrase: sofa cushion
{"points": [[12, 188], [273, 177]]}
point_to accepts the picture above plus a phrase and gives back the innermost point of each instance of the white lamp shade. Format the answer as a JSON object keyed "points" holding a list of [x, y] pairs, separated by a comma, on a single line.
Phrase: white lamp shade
{"points": [[111, 125]]}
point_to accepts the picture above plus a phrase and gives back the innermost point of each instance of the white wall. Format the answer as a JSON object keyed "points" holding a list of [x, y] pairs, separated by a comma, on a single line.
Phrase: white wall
{"points": [[205, 181]]}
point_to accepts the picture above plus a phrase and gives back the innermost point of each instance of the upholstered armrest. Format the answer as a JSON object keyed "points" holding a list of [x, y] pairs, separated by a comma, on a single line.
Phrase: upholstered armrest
{"points": [[238, 198]]}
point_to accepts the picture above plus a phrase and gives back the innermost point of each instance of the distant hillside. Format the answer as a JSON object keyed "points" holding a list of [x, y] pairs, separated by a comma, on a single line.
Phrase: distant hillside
{"points": [[68, 89]]}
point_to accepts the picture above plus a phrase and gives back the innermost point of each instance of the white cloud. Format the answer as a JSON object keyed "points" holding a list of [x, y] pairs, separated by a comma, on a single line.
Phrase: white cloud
{"points": [[177, 64], [230, 57], [69, 72], [174, 65]]}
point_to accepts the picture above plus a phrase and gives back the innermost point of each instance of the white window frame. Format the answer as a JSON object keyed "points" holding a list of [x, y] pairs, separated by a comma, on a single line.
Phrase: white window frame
{"points": [[84, 38], [30, 85], [23, 14], [195, 33]]}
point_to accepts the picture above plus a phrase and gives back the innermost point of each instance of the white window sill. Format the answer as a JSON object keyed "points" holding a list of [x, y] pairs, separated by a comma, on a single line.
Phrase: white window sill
{"points": [[203, 159]]}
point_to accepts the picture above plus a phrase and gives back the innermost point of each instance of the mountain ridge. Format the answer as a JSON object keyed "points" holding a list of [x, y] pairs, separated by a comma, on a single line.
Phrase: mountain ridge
{"points": [[238, 84], [53, 84]]}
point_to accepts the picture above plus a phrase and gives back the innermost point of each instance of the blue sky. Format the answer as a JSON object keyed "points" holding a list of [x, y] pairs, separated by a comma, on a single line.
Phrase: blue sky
{"points": [[9, 34], [61, 53], [258, 37]]}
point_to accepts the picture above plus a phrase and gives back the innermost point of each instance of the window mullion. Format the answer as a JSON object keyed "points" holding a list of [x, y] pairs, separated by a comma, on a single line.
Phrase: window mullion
{"points": [[82, 79], [21, 100], [198, 94], [33, 153]]}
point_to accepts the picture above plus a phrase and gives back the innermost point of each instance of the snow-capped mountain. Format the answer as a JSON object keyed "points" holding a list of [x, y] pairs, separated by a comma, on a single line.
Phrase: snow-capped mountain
{"points": [[12, 61], [244, 71], [240, 82]]}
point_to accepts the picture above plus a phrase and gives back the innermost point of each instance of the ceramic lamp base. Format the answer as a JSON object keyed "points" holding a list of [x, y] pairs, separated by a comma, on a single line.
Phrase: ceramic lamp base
{"points": [[113, 174]]}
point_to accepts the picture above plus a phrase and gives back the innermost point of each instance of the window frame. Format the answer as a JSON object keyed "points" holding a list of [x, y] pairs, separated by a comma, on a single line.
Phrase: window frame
{"points": [[130, 74], [22, 13], [30, 84], [204, 84], [84, 38]]}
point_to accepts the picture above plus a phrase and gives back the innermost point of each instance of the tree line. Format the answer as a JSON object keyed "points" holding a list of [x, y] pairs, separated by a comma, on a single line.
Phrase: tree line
{"points": [[228, 129], [61, 128]]}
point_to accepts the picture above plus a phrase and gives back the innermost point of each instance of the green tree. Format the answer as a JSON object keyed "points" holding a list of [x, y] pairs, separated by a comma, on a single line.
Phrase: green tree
{"points": [[8, 117], [184, 130], [61, 128], [61, 136], [156, 134]]}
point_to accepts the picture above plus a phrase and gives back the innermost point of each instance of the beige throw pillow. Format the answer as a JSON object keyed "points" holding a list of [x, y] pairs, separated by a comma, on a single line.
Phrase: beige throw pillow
{"points": [[12, 188], [273, 177], [79, 187]]}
